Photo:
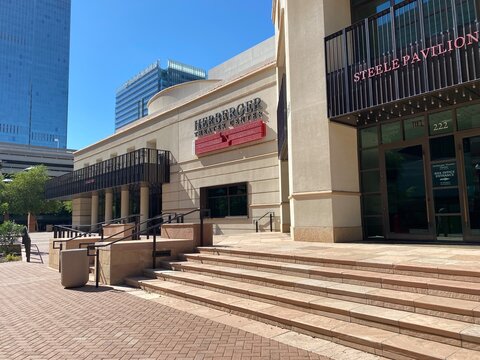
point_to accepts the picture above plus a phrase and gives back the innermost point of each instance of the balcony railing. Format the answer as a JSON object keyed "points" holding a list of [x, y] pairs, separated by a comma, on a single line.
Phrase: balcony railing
{"points": [[143, 165], [413, 48]]}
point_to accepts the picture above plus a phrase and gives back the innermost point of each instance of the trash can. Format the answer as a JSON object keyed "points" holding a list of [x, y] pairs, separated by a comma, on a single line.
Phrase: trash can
{"points": [[74, 268]]}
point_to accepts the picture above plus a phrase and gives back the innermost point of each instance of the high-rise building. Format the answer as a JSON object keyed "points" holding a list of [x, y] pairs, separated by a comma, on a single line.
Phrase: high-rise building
{"points": [[34, 62], [132, 97]]}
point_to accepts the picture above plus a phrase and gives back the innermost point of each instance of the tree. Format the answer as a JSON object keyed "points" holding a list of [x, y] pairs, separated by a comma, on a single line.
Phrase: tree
{"points": [[26, 193]]}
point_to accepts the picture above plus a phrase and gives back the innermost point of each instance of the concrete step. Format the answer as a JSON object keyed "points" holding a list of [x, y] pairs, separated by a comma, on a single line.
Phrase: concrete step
{"points": [[374, 340], [424, 326], [448, 308], [441, 287], [416, 268]]}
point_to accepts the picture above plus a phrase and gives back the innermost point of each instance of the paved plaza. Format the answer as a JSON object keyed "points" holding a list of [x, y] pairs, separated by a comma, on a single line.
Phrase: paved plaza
{"points": [[41, 320]]}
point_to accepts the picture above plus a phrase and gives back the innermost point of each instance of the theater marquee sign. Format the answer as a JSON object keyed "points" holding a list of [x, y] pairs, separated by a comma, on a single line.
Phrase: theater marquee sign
{"points": [[230, 127], [234, 116]]}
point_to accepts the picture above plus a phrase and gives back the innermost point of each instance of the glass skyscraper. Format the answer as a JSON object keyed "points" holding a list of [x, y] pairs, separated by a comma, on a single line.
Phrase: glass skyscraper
{"points": [[34, 61], [133, 96]]}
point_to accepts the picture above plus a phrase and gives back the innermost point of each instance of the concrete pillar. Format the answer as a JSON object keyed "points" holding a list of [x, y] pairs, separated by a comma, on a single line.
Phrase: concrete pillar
{"points": [[284, 193], [144, 205], [94, 211], [124, 202], [322, 160], [81, 209], [108, 204]]}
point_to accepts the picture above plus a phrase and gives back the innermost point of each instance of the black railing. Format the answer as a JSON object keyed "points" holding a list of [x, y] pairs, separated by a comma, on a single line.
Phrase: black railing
{"points": [[410, 49], [142, 165], [270, 215], [165, 218], [282, 129], [75, 231]]}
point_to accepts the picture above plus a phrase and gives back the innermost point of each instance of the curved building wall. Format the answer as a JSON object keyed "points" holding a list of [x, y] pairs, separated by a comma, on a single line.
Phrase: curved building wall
{"points": [[250, 162]]}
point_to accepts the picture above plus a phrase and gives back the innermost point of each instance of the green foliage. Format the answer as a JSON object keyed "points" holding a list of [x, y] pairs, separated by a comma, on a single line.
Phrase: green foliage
{"points": [[26, 193], [12, 257], [9, 232], [67, 206]]}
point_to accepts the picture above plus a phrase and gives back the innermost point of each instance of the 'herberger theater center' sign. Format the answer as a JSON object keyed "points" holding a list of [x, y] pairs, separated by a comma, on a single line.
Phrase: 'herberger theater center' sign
{"points": [[234, 116], [230, 127]]}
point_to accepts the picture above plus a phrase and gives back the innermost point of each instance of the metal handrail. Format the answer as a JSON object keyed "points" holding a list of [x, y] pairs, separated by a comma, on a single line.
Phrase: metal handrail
{"points": [[71, 228], [271, 215], [177, 217]]}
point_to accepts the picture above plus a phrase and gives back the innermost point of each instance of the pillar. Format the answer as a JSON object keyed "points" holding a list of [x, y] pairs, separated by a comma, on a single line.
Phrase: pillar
{"points": [[124, 202], [108, 204], [94, 211], [144, 205]]}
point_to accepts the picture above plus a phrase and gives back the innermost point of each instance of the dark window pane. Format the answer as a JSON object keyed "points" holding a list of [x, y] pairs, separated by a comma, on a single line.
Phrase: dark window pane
{"points": [[369, 159], [237, 189], [468, 117], [238, 206], [441, 123], [371, 181], [414, 128], [369, 137], [218, 207], [442, 148], [406, 190], [372, 205], [373, 227], [217, 192], [446, 201], [449, 227], [391, 132]]}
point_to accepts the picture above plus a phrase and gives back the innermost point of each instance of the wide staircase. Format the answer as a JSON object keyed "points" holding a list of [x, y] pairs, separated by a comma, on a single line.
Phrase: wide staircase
{"points": [[399, 312]]}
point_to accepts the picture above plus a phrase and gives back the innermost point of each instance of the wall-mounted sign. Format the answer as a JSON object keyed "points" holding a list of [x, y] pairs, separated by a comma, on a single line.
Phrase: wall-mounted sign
{"points": [[229, 118], [430, 52], [252, 131], [444, 174]]}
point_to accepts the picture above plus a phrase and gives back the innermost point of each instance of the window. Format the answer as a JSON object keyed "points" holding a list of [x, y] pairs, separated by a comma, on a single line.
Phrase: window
{"points": [[225, 200]]}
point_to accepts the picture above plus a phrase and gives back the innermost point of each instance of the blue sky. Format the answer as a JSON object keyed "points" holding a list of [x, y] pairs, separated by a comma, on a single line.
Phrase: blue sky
{"points": [[112, 40]]}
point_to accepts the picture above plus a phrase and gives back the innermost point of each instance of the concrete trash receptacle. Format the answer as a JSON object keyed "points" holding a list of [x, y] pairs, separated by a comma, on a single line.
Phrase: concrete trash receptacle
{"points": [[74, 268]]}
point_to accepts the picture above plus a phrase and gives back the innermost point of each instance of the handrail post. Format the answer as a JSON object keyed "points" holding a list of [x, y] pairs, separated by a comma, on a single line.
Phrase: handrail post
{"points": [[54, 232], [97, 267], [271, 222], [60, 258], [256, 226], [154, 251], [201, 227]]}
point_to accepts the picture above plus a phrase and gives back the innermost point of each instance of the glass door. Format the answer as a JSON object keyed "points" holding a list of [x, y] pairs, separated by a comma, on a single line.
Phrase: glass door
{"points": [[406, 199], [470, 149]]}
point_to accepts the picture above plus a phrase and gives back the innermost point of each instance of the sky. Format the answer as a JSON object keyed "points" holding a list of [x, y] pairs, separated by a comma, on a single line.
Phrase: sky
{"points": [[113, 40]]}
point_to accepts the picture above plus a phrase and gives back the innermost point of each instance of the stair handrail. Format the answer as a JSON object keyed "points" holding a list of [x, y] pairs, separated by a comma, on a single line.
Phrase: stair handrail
{"points": [[177, 217], [72, 228], [271, 214]]}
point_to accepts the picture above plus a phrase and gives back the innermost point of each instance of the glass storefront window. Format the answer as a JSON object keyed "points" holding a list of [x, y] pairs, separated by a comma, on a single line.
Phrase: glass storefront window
{"points": [[372, 204], [441, 123], [442, 148], [414, 128], [228, 200], [373, 226], [369, 137], [446, 201], [369, 159], [371, 181], [391, 132], [468, 117]]}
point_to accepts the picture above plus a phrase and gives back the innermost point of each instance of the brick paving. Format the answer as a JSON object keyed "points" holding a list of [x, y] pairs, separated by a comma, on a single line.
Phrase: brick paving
{"points": [[41, 320]]}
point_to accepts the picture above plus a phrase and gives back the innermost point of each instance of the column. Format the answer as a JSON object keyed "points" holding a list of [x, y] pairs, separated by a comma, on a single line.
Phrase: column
{"points": [[125, 202], [108, 204], [144, 205], [94, 211]]}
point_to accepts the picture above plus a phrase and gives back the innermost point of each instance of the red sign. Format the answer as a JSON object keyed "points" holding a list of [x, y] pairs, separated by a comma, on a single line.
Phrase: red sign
{"points": [[252, 131], [432, 51]]}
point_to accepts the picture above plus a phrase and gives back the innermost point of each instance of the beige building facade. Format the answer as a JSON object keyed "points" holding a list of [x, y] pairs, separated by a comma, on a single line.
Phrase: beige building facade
{"points": [[359, 120]]}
